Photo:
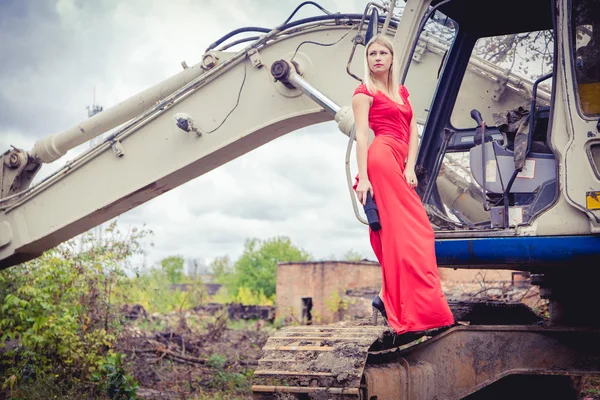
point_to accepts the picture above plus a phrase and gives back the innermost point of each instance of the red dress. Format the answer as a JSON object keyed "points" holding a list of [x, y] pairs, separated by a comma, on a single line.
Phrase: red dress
{"points": [[404, 246]]}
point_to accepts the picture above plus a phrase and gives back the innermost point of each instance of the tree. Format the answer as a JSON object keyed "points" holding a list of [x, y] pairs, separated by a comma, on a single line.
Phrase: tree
{"points": [[352, 255], [220, 267], [257, 266], [173, 267]]}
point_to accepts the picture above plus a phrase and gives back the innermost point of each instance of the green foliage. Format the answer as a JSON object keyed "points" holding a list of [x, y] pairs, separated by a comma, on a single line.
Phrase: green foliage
{"points": [[226, 380], [220, 268], [590, 386], [216, 361], [257, 325], [152, 289], [246, 296], [197, 293], [62, 311], [352, 255], [44, 388], [173, 268], [257, 266], [222, 296], [335, 303], [114, 380]]}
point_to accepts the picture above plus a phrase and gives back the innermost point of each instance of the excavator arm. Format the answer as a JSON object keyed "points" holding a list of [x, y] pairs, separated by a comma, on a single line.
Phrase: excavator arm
{"points": [[303, 72], [298, 74], [180, 129]]}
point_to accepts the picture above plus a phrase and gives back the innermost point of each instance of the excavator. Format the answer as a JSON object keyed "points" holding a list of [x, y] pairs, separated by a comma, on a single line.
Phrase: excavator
{"points": [[508, 167]]}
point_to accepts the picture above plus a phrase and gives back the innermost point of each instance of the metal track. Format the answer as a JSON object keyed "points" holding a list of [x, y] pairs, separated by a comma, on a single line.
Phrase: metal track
{"points": [[310, 362], [487, 362], [328, 362]]}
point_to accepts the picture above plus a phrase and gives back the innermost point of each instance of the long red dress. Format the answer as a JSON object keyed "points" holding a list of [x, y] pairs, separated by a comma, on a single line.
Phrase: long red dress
{"points": [[404, 246]]}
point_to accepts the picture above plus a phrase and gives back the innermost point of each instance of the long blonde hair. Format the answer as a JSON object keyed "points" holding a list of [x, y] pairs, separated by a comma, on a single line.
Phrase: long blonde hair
{"points": [[392, 84]]}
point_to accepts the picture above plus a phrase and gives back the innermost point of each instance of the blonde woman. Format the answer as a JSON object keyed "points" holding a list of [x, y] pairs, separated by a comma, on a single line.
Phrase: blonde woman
{"points": [[411, 298]]}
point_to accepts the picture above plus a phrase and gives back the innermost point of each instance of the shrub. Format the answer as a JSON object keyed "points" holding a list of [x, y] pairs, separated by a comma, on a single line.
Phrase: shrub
{"points": [[62, 312]]}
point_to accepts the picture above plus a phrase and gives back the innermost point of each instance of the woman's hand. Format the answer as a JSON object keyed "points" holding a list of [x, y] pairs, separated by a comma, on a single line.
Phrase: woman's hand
{"points": [[364, 186], [411, 177]]}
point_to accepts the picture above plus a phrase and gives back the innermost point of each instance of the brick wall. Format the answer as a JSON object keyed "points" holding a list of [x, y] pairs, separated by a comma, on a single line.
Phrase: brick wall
{"points": [[327, 283], [343, 290]]}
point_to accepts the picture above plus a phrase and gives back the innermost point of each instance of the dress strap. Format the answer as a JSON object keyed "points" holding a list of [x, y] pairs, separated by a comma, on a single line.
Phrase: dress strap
{"points": [[404, 92], [362, 89]]}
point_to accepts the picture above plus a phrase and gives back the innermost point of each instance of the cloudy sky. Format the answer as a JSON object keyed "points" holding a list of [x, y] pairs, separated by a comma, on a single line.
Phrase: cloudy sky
{"points": [[55, 52]]}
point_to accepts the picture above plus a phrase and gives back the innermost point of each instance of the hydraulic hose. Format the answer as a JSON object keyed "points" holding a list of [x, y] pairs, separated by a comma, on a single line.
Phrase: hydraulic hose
{"points": [[302, 5], [235, 32], [382, 19]]}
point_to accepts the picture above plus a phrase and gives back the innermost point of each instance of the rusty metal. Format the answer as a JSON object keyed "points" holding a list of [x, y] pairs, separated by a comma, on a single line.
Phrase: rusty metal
{"points": [[296, 360], [17, 171], [309, 360], [407, 369], [366, 362], [288, 389], [14, 160], [391, 381], [466, 359]]}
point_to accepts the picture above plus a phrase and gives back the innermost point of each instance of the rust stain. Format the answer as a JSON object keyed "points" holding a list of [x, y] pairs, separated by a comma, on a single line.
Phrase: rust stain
{"points": [[470, 248], [143, 194]]}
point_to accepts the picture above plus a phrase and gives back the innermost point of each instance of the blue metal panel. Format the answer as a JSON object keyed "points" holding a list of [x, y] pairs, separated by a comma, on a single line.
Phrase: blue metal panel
{"points": [[524, 251]]}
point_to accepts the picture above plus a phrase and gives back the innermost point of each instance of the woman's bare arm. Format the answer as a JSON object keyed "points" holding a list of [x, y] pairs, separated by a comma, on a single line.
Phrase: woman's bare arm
{"points": [[360, 107], [413, 143]]}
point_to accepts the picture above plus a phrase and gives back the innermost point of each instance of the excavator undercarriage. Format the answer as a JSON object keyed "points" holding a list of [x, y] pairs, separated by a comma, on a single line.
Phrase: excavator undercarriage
{"points": [[495, 350]]}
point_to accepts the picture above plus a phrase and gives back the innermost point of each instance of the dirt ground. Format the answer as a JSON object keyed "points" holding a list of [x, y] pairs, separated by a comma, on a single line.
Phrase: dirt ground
{"points": [[193, 356]]}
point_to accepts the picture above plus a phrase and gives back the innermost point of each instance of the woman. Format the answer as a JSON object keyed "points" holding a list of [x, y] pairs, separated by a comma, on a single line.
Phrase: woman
{"points": [[411, 298]]}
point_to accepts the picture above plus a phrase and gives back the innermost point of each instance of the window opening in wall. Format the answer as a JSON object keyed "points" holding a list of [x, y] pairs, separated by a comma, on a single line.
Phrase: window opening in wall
{"points": [[306, 310]]}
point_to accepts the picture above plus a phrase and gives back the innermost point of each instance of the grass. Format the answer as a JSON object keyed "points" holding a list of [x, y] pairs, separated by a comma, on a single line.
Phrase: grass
{"points": [[253, 324]]}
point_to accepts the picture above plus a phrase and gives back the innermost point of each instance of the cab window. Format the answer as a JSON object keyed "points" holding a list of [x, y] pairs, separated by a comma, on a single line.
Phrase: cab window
{"points": [[585, 43], [512, 62]]}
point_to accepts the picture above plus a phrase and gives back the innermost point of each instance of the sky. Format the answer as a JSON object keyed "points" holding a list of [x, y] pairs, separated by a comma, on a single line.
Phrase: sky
{"points": [[58, 53]]}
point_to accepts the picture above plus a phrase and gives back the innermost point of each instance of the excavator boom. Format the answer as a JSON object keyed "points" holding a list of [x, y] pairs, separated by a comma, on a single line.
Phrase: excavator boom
{"points": [[203, 117], [224, 112]]}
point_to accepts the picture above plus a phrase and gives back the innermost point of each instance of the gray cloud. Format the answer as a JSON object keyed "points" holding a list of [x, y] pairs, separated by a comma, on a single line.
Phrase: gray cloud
{"points": [[56, 51]]}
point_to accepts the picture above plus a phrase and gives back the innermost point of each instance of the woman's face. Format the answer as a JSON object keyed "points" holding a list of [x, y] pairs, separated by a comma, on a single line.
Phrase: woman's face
{"points": [[379, 59]]}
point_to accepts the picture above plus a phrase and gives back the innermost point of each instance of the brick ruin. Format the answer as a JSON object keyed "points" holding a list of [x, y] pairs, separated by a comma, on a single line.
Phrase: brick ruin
{"points": [[327, 291], [330, 291]]}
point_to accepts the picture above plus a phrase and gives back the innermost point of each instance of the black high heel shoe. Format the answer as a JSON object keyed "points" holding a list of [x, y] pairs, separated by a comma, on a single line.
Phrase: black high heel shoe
{"points": [[378, 306]]}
